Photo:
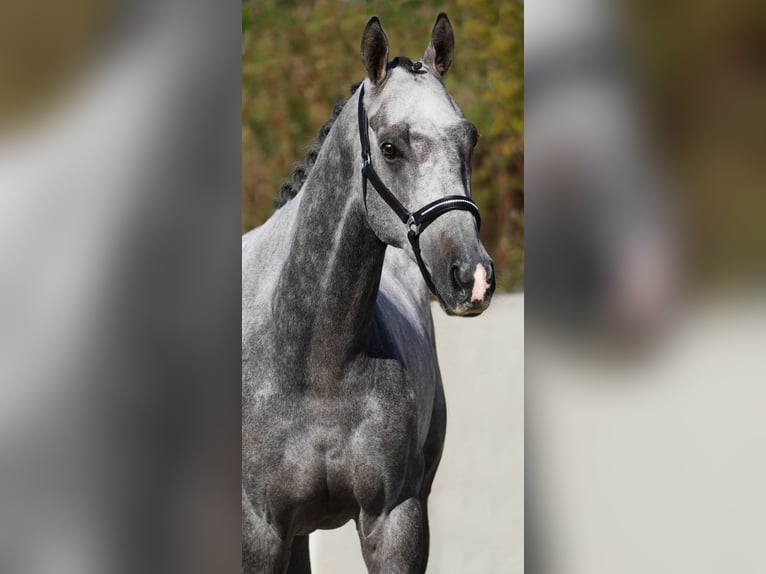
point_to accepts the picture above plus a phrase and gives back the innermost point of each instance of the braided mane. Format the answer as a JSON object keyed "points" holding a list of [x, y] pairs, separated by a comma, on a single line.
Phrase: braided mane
{"points": [[290, 187]]}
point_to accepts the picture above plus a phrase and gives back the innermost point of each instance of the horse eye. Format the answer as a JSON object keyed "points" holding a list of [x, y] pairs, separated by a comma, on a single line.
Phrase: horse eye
{"points": [[388, 149]]}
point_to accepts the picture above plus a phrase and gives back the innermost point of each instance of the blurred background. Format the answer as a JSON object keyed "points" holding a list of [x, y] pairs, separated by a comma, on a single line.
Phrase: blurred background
{"points": [[645, 309], [120, 286], [300, 58]]}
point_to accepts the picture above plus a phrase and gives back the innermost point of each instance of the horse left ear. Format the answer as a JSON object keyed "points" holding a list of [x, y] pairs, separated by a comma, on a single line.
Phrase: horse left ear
{"points": [[441, 48]]}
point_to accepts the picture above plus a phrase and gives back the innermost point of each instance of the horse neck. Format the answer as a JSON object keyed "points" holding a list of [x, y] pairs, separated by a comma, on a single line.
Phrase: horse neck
{"points": [[327, 289]]}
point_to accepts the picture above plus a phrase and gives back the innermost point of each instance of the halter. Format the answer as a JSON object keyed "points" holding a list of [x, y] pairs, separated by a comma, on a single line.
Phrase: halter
{"points": [[416, 221]]}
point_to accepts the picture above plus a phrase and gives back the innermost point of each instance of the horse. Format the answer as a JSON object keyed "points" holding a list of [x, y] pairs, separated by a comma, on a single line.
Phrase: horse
{"points": [[343, 409]]}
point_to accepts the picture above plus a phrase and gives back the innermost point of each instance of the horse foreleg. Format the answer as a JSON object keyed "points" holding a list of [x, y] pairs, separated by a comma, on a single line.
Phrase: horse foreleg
{"points": [[299, 556], [424, 493], [263, 551], [426, 535], [395, 543], [432, 454]]}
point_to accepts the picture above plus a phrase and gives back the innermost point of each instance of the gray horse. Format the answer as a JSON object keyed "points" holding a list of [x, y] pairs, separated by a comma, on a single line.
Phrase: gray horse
{"points": [[343, 413]]}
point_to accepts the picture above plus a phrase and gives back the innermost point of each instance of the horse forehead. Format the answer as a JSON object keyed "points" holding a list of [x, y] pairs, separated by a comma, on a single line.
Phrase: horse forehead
{"points": [[417, 102]]}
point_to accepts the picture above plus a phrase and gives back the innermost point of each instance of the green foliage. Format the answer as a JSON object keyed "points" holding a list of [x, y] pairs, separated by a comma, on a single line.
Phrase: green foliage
{"points": [[300, 58]]}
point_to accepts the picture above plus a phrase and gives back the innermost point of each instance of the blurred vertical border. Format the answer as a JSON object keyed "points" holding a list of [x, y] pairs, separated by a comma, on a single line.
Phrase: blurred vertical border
{"points": [[120, 167], [645, 301]]}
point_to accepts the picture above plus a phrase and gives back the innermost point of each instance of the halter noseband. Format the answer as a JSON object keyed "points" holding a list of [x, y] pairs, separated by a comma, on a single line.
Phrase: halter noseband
{"points": [[416, 221]]}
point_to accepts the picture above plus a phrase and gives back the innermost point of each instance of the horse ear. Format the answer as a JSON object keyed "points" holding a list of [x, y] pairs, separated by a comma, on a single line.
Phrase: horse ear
{"points": [[441, 48], [374, 50]]}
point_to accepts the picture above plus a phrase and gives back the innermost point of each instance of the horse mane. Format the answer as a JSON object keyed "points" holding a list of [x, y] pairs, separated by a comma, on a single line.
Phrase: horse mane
{"points": [[290, 187]]}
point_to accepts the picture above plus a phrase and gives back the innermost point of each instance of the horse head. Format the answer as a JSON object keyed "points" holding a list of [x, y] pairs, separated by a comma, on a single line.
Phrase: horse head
{"points": [[416, 150]]}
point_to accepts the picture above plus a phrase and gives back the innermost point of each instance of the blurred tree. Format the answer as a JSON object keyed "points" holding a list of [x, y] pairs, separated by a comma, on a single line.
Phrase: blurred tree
{"points": [[299, 58]]}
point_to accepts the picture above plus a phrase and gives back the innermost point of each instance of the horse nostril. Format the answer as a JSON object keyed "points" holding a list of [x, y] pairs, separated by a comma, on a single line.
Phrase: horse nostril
{"points": [[490, 271], [462, 276]]}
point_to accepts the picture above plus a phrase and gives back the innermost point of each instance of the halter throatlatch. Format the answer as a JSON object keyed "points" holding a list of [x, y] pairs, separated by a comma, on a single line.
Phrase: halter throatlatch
{"points": [[416, 221]]}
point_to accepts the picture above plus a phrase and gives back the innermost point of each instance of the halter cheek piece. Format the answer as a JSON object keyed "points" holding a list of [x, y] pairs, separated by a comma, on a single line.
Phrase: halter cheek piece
{"points": [[416, 221]]}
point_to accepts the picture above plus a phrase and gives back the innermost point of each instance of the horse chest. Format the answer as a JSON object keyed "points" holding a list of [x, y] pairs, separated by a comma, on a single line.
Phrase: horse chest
{"points": [[340, 454]]}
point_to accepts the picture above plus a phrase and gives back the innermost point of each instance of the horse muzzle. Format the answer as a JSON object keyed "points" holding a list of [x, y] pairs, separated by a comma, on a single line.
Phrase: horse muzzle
{"points": [[472, 287]]}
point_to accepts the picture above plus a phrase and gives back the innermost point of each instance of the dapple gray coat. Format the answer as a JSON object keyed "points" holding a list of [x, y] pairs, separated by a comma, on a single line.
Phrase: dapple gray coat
{"points": [[343, 411]]}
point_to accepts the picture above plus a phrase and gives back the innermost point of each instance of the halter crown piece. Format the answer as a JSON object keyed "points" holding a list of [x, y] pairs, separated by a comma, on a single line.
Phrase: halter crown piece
{"points": [[415, 221]]}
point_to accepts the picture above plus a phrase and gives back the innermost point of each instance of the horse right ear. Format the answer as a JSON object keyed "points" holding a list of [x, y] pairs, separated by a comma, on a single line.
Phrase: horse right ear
{"points": [[374, 50]]}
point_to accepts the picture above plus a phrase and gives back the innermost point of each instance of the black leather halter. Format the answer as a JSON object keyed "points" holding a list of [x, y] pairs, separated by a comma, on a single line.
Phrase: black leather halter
{"points": [[416, 221]]}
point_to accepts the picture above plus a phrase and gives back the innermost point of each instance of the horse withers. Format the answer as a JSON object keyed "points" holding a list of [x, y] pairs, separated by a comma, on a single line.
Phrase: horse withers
{"points": [[343, 412]]}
